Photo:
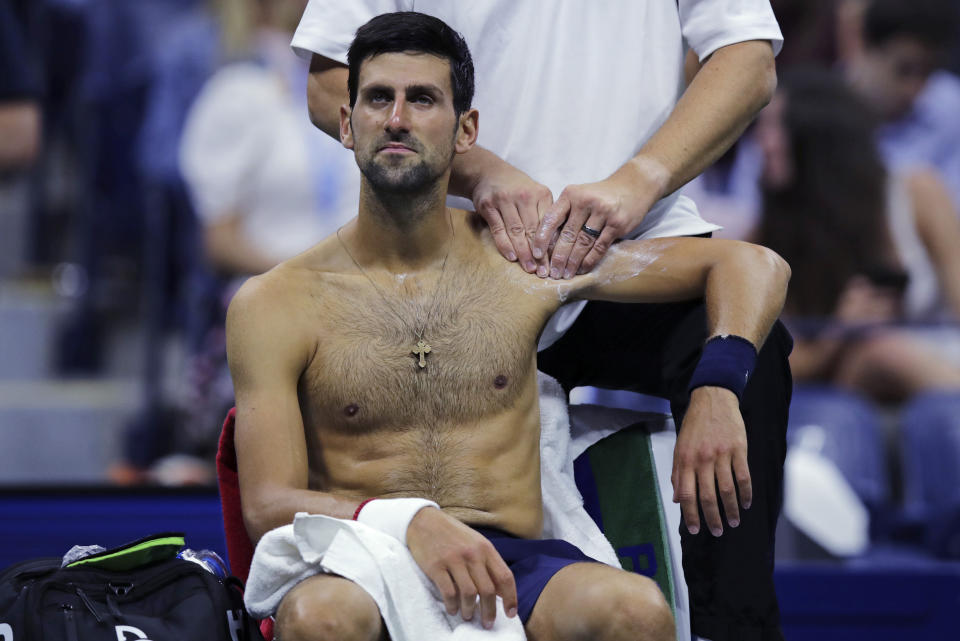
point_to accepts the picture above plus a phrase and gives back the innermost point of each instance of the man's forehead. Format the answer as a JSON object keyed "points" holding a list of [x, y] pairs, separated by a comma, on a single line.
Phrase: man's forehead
{"points": [[406, 69]]}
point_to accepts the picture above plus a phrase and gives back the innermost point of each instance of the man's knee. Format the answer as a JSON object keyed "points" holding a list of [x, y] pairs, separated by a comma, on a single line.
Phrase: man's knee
{"points": [[629, 606], [328, 608]]}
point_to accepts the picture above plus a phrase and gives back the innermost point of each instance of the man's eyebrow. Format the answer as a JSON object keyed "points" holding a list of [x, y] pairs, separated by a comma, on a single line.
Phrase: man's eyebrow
{"points": [[376, 86], [424, 88], [428, 88]]}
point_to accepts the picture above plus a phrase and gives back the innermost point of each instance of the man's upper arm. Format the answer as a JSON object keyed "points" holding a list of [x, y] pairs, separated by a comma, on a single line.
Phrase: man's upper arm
{"points": [[655, 270], [267, 352]]}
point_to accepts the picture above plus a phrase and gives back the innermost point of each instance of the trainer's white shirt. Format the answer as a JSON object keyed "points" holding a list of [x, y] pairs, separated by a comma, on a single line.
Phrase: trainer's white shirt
{"points": [[569, 90]]}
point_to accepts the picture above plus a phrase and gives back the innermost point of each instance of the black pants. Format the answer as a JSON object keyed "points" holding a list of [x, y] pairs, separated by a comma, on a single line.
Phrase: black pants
{"points": [[653, 349]]}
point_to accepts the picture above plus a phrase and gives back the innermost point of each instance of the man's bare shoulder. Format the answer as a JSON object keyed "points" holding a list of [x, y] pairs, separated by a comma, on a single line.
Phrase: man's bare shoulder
{"points": [[282, 296], [540, 289]]}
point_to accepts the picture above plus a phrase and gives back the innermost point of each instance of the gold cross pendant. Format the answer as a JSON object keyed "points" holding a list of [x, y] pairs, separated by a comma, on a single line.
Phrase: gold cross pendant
{"points": [[422, 349]]}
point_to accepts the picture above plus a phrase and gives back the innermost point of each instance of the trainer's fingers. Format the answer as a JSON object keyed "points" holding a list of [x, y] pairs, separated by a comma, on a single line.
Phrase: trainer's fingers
{"points": [[687, 496], [467, 591], [582, 246], [728, 492], [539, 255], [553, 218], [599, 249], [498, 230], [706, 486], [742, 472], [568, 238], [487, 593], [505, 585], [517, 233]]}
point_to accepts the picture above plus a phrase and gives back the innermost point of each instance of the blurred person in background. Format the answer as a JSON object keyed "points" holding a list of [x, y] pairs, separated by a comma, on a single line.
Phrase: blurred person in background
{"points": [[20, 133], [264, 185], [870, 249], [20, 119], [893, 53]]}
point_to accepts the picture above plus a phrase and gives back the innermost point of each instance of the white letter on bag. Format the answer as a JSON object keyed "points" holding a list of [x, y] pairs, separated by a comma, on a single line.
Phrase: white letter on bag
{"points": [[122, 631]]}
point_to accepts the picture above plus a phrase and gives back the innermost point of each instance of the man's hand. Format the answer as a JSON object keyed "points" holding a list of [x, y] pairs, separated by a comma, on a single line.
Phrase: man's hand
{"points": [[511, 202], [711, 450], [462, 564], [612, 207]]}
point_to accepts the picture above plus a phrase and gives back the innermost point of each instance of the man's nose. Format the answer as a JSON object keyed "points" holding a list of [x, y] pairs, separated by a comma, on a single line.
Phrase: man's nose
{"points": [[399, 117]]}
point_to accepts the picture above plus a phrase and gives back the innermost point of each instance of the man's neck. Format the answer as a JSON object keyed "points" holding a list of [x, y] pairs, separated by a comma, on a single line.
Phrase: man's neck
{"points": [[402, 231]]}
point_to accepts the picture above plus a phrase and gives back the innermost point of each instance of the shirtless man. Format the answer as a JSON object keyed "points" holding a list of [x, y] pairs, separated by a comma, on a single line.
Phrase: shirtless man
{"points": [[398, 359]]}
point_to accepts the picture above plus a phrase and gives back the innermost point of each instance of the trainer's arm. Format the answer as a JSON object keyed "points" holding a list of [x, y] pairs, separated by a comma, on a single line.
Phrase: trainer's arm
{"points": [[267, 352], [509, 200], [723, 97], [743, 287]]}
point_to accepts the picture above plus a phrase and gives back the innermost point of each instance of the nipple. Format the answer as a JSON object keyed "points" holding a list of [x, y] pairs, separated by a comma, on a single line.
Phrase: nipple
{"points": [[500, 381], [351, 409]]}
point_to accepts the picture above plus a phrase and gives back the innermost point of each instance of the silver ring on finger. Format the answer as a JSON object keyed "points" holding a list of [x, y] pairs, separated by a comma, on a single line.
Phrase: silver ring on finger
{"points": [[590, 231]]}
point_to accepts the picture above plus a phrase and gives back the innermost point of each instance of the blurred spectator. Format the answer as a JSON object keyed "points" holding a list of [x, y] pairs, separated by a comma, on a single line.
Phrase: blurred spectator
{"points": [[891, 51], [19, 96], [264, 184], [869, 249], [894, 53], [20, 131]]}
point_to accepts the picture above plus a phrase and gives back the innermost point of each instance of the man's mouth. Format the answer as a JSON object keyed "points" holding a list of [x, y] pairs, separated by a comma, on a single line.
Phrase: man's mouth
{"points": [[397, 148]]}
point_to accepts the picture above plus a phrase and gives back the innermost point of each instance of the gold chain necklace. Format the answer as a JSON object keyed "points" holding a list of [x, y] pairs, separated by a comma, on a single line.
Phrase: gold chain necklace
{"points": [[422, 348]]}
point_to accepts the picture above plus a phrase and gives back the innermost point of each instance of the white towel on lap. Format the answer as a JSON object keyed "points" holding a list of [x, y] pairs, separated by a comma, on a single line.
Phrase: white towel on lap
{"points": [[409, 603]]}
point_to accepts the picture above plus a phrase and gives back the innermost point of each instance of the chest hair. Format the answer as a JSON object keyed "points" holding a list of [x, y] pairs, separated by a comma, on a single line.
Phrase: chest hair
{"points": [[365, 377]]}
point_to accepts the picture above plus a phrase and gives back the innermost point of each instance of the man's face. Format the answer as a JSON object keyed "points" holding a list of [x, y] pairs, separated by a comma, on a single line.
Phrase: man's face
{"points": [[403, 128], [891, 76]]}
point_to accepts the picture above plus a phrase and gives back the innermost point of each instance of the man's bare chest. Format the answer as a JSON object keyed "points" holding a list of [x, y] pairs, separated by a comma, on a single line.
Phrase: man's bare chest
{"points": [[477, 354]]}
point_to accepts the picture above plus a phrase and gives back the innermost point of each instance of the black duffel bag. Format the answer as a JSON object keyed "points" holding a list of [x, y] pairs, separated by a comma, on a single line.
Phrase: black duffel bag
{"points": [[139, 591]]}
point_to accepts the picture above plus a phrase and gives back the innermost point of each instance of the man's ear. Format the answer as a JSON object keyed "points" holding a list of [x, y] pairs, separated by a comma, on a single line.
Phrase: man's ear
{"points": [[467, 131], [346, 131]]}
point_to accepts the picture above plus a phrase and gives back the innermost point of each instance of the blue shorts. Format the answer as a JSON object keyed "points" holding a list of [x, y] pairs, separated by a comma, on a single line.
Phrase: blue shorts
{"points": [[533, 563]]}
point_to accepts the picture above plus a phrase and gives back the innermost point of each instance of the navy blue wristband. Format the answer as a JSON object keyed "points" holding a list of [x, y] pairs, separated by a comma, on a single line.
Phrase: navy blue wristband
{"points": [[727, 361]]}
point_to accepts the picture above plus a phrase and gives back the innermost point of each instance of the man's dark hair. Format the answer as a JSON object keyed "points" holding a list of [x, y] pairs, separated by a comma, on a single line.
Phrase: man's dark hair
{"points": [[829, 221], [409, 31], [933, 22]]}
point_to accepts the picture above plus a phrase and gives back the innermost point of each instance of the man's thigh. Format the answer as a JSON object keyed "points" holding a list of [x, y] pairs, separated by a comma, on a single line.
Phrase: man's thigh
{"points": [[598, 602], [329, 607]]}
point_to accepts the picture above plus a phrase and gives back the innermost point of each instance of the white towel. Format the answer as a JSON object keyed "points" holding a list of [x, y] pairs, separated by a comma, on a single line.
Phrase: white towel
{"points": [[563, 513], [409, 603]]}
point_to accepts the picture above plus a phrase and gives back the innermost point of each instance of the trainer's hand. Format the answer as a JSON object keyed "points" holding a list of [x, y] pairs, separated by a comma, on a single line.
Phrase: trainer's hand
{"points": [[612, 207], [511, 203], [462, 564], [711, 451]]}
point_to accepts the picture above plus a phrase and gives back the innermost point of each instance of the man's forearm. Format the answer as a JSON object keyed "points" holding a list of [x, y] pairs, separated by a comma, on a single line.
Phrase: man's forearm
{"points": [[723, 97], [267, 511], [326, 91]]}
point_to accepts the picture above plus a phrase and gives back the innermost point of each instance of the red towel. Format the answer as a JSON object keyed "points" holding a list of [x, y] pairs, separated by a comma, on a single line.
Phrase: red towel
{"points": [[239, 546]]}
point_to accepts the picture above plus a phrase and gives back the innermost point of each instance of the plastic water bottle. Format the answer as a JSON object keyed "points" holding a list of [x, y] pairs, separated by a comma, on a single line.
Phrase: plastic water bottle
{"points": [[208, 560]]}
